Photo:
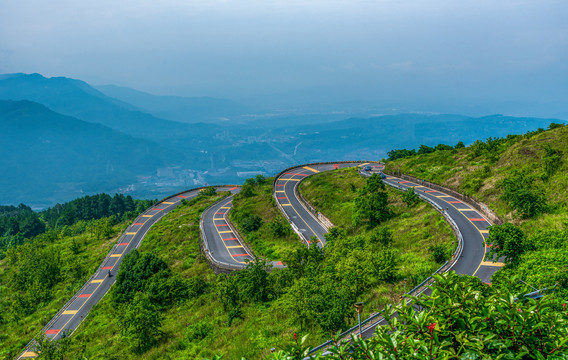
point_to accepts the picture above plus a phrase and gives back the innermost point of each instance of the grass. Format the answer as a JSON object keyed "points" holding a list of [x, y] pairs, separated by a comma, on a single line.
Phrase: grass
{"points": [[414, 229], [176, 240], [16, 330], [480, 173], [264, 242]]}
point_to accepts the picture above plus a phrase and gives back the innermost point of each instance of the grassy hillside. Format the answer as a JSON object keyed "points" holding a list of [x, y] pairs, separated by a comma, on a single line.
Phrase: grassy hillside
{"points": [[256, 216], [417, 231], [39, 277], [523, 178]]}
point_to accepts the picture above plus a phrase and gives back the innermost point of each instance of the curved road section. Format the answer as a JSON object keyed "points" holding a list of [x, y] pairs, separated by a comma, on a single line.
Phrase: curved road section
{"points": [[73, 313], [472, 225], [223, 244], [285, 192]]}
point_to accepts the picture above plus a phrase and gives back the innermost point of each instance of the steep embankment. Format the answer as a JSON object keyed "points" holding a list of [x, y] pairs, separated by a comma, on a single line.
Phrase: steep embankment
{"points": [[524, 179]]}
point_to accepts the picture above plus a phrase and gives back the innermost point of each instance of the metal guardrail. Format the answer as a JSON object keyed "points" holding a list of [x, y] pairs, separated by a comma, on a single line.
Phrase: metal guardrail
{"points": [[78, 292], [205, 246], [374, 319]]}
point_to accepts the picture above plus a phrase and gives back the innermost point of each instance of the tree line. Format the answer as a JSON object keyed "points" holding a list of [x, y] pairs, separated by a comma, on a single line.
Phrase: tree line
{"points": [[20, 223]]}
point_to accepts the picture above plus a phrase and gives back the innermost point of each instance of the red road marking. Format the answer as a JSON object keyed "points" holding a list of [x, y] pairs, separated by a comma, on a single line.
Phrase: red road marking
{"points": [[280, 198], [222, 225], [476, 219], [430, 191], [107, 267], [84, 295], [122, 244], [279, 184], [279, 263], [157, 209], [240, 255], [138, 224], [182, 196], [233, 188], [454, 202], [296, 174], [47, 332], [230, 239], [220, 213], [403, 182], [488, 283]]}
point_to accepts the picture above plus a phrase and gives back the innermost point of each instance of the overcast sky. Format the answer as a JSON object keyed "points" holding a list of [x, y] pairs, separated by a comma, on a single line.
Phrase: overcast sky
{"points": [[510, 49]]}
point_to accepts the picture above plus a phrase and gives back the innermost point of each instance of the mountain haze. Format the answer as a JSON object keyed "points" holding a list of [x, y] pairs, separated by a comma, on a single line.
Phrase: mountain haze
{"points": [[178, 108], [47, 157], [78, 99]]}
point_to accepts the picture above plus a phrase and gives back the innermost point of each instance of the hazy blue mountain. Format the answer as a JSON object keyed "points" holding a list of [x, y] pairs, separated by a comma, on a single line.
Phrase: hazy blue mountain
{"points": [[78, 99], [47, 157], [178, 108]]}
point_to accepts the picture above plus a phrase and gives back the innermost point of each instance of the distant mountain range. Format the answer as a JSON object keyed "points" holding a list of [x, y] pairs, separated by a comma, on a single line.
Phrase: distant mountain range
{"points": [[79, 99], [61, 138], [178, 108], [47, 157]]}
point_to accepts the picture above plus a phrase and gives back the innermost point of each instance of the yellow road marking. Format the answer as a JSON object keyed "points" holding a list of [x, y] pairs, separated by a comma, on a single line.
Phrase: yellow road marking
{"points": [[491, 263], [442, 196], [363, 164], [130, 233], [147, 215], [226, 247], [467, 210], [218, 219], [286, 204], [484, 231], [29, 353], [309, 168], [168, 202], [234, 247], [69, 312], [290, 179], [280, 191], [116, 255], [96, 281], [225, 207]]}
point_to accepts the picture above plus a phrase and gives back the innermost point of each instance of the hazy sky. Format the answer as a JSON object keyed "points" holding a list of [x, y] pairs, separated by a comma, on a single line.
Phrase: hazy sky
{"points": [[480, 49]]}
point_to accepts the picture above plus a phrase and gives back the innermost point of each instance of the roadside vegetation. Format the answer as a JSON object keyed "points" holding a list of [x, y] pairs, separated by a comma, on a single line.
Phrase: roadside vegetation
{"points": [[47, 257], [168, 304], [523, 178], [258, 219]]}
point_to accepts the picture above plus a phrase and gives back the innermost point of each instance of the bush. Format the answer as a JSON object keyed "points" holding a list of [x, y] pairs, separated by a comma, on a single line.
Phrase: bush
{"points": [[519, 193], [198, 331], [251, 222]]}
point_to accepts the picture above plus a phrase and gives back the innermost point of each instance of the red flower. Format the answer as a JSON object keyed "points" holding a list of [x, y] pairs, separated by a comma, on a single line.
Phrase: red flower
{"points": [[431, 327], [295, 337], [563, 306]]}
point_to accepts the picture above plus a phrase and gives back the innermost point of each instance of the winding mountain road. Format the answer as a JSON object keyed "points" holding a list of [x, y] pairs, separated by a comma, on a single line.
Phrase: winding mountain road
{"points": [[224, 247], [72, 314]]}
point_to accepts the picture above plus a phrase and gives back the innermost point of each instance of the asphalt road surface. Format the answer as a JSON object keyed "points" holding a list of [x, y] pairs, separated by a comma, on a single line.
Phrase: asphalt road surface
{"points": [[73, 313]]}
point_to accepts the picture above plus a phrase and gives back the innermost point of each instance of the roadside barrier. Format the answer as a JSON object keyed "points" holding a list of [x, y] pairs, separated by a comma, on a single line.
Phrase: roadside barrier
{"points": [[376, 318]]}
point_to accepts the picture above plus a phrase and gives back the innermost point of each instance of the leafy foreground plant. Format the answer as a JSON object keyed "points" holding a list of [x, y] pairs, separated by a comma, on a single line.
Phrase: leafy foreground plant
{"points": [[462, 319]]}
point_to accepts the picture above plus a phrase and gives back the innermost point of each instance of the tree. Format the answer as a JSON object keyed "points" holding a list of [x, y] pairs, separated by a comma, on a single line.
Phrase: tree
{"points": [[425, 150], [371, 209], [520, 194], [134, 273], [140, 323], [410, 197], [255, 281], [459, 145], [507, 240]]}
